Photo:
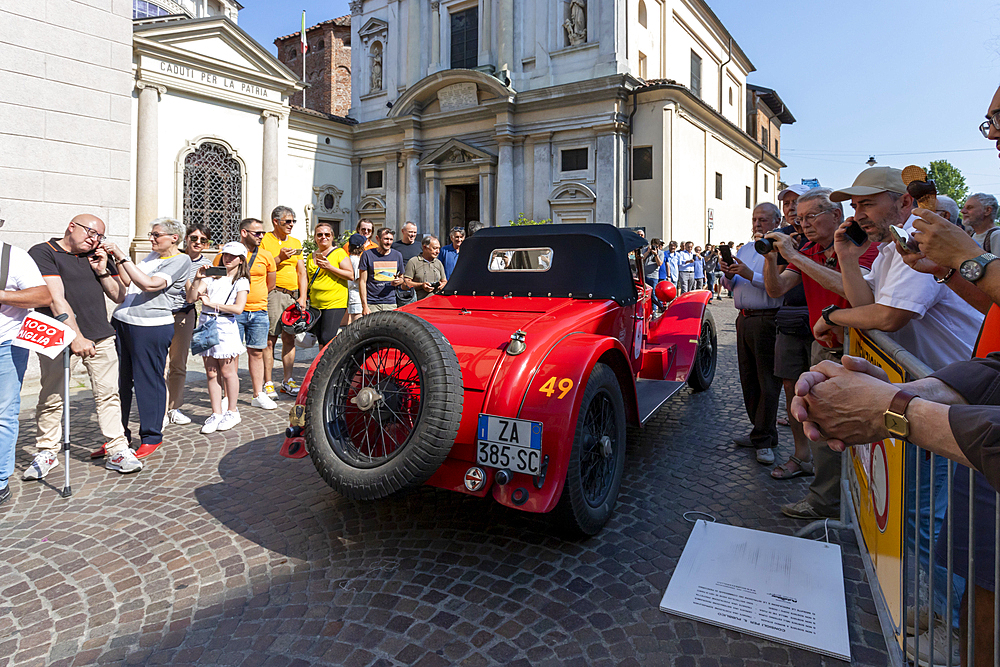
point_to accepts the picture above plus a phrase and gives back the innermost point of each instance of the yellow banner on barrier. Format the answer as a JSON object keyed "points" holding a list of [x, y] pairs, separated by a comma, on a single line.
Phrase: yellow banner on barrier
{"points": [[877, 490]]}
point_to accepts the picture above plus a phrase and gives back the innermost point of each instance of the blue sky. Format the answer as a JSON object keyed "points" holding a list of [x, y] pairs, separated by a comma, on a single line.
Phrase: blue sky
{"points": [[907, 82]]}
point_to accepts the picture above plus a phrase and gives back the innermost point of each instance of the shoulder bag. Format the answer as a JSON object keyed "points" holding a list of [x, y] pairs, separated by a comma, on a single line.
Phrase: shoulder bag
{"points": [[206, 334]]}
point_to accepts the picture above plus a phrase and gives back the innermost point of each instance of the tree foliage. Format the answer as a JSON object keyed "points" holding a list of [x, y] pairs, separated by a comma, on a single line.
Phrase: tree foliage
{"points": [[522, 220], [949, 180]]}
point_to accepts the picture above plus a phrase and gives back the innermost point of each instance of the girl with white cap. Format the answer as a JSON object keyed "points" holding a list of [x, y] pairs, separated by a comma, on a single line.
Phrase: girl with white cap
{"points": [[223, 298]]}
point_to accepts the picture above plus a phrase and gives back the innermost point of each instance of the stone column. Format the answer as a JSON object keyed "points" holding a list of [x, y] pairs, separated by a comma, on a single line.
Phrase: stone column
{"points": [[505, 181], [486, 34], [543, 176], [392, 192], [269, 167], [147, 144], [486, 200], [432, 194], [356, 187], [413, 190], [435, 63], [529, 176]]}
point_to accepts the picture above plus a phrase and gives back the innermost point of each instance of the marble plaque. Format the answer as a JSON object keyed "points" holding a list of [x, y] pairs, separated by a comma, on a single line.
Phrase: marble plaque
{"points": [[458, 96]]}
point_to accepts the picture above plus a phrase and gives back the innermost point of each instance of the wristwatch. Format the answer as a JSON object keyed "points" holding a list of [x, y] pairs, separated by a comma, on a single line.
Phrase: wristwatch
{"points": [[973, 269], [102, 276], [829, 311], [895, 417]]}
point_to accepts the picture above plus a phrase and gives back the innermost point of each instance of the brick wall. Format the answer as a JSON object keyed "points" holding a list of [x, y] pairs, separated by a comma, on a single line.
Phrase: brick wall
{"points": [[328, 65]]}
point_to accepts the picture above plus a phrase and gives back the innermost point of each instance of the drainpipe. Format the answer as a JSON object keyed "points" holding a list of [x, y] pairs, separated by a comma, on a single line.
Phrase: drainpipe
{"points": [[628, 156], [755, 170], [723, 67]]}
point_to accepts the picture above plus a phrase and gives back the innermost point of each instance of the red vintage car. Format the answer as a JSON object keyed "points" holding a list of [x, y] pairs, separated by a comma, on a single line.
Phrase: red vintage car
{"points": [[516, 380]]}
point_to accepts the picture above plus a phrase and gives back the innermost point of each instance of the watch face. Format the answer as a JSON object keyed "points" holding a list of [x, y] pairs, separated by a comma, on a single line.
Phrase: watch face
{"points": [[971, 270], [897, 425]]}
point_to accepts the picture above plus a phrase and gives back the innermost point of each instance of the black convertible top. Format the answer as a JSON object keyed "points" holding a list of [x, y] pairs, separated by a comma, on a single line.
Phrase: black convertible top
{"points": [[588, 261]]}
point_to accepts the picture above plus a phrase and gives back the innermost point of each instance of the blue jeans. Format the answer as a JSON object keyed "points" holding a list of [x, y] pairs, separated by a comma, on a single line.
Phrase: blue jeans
{"points": [[939, 479], [254, 326], [13, 361]]}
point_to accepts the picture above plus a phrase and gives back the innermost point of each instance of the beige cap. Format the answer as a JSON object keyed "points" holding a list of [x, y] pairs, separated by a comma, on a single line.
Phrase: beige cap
{"points": [[871, 182]]}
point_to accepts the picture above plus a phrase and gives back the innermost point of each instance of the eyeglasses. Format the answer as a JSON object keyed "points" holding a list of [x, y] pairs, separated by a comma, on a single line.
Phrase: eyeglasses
{"points": [[200, 240], [323, 236], [156, 235], [258, 235], [287, 222], [993, 120], [92, 233], [808, 218]]}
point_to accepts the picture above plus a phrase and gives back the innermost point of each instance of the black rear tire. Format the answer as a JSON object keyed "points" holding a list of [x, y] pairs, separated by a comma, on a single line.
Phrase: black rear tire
{"points": [[596, 465], [384, 406], [705, 357]]}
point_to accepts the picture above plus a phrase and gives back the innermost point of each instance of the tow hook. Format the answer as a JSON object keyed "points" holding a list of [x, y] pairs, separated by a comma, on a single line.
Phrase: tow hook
{"points": [[539, 479]]}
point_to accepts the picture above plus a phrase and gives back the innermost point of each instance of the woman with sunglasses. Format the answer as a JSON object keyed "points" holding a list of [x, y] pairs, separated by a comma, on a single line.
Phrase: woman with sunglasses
{"points": [[328, 269], [144, 324], [196, 239]]}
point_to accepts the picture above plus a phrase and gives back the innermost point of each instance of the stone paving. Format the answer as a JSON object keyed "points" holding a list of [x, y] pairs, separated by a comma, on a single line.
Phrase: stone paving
{"points": [[222, 552]]}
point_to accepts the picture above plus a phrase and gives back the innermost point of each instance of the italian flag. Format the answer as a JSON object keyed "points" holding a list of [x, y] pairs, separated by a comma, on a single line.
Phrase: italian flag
{"points": [[302, 35]]}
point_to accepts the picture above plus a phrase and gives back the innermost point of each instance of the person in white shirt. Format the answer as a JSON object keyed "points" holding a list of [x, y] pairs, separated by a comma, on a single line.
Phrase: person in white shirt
{"points": [[23, 288], [980, 214], [685, 268], [755, 337], [922, 315]]}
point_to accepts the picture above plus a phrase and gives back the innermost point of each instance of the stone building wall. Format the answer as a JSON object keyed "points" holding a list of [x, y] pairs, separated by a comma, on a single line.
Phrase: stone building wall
{"points": [[328, 65]]}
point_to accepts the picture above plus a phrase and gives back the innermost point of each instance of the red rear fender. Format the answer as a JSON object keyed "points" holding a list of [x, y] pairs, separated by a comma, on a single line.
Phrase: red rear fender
{"points": [[673, 338]]}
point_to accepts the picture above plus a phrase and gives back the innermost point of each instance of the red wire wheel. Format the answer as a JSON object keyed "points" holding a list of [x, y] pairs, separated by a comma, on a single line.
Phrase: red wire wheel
{"points": [[384, 406]]}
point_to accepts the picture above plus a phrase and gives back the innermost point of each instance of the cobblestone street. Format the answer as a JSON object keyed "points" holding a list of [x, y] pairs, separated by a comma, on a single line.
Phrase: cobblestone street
{"points": [[222, 552]]}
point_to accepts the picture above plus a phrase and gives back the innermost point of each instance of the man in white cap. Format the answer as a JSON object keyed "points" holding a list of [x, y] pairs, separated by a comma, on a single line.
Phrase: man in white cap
{"points": [[788, 197]]}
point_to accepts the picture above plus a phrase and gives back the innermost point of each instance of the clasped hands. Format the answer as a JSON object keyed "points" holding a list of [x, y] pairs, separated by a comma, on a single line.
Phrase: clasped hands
{"points": [[843, 404]]}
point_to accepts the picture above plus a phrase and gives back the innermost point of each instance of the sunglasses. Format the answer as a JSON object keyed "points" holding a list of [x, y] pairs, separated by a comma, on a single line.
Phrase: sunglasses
{"points": [[287, 222], [258, 235], [201, 240], [323, 236]]}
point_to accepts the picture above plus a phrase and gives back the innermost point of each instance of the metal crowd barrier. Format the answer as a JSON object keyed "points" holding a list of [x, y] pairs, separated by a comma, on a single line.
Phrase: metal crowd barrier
{"points": [[881, 487]]}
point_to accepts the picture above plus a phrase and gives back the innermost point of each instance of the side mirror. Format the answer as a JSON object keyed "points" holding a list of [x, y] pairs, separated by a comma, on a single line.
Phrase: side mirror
{"points": [[665, 291]]}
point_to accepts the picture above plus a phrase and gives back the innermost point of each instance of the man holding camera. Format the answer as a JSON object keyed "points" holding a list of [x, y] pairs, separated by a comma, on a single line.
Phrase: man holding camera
{"points": [[755, 337], [424, 273], [814, 266]]}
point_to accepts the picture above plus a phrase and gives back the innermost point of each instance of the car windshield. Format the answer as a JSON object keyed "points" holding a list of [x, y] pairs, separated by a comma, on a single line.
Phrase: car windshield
{"points": [[535, 260]]}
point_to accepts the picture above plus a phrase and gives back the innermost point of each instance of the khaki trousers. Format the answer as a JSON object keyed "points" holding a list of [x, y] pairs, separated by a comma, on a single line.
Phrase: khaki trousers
{"points": [[376, 307], [824, 492], [177, 358], [103, 371]]}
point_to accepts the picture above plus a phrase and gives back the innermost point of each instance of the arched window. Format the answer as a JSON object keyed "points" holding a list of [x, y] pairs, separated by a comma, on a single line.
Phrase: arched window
{"points": [[642, 13], [142, 9], [213, 191]]}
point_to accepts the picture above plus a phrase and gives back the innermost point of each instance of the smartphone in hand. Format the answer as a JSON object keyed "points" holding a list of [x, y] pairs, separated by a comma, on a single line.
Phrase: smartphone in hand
{"points": [[906, 242], [727, 254], [855, 234], [215, 271]]}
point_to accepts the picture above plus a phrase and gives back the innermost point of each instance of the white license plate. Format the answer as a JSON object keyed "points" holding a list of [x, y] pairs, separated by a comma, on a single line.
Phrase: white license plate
{"points": [[515, 444]]}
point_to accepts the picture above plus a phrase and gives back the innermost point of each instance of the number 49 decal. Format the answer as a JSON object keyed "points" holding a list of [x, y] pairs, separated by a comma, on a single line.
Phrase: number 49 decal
{"points": [[549, 388]]}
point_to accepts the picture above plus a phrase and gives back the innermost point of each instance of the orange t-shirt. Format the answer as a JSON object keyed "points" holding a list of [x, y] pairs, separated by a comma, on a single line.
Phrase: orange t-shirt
{"points": [[262, 265], [989, 334]]}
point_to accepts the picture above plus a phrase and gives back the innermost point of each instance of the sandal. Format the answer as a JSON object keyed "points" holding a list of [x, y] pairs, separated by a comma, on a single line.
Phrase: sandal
{"points": [[782, 471]]}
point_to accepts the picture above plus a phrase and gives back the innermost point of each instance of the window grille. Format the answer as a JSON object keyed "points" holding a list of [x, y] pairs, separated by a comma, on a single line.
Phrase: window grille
{"points": [[213, 191]]}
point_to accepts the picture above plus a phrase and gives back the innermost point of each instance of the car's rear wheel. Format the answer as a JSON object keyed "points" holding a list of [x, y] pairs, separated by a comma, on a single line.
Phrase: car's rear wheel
{"points": [[597, 459], [706, 357], [384, 406]]}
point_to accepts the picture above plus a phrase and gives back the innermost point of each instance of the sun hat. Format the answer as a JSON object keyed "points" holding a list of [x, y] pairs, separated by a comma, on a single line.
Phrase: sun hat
{"points": [[872, 181]]}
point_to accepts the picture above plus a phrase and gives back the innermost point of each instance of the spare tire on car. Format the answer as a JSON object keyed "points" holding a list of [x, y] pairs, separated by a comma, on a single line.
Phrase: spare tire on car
{"points": [[384, 406]]}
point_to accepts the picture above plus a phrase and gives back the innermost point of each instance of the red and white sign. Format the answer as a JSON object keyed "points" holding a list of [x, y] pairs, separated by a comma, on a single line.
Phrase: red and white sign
{"points": [[44, 335]]}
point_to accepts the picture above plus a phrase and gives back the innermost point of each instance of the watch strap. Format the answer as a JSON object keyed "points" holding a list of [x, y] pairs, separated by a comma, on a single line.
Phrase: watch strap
{"points": [[900, 402], [828, 311], [102, 276], [947, 277]]}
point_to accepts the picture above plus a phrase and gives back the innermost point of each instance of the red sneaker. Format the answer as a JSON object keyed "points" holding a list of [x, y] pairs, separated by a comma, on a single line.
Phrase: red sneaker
{"points": [[98, 454], [146, 449]]}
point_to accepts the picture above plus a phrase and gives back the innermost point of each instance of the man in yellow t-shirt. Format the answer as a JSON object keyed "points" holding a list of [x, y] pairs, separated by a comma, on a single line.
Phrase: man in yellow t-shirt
{"points": [[289, 288], [253, 320]]}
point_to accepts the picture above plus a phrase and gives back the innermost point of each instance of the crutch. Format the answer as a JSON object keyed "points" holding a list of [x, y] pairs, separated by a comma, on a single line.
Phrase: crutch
{"points": [[67, 489]]}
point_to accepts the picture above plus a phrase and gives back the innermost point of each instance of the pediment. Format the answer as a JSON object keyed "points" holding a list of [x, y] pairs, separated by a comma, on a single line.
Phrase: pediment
{"points": [[214, 44], [372, 27], [455, 152], [572, 193]]}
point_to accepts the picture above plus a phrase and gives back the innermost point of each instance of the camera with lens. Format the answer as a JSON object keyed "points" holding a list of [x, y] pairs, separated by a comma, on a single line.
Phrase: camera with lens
{"points": [[436, 285], [764, 246]]}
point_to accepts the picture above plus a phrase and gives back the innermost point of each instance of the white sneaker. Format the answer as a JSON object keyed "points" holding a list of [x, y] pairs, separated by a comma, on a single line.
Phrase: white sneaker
{"points": [[229, 420], [262, 400], [178, 417], [124, 462], [212, 423], [269, 390], [41, 465]]}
